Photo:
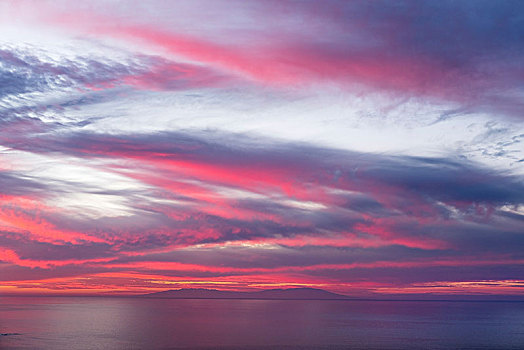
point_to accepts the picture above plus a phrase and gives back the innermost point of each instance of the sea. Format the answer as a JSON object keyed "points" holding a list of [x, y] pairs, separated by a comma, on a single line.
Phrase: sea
{"points": [[141, 323]]}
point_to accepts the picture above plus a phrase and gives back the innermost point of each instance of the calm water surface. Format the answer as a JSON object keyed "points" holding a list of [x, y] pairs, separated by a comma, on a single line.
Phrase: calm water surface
{"points": [[133, 323]]}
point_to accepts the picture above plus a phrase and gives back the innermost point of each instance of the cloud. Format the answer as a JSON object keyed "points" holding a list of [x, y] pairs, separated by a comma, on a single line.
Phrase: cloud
{"points": [[288, 143], [422, 49], [13, 183], [294, 206]]}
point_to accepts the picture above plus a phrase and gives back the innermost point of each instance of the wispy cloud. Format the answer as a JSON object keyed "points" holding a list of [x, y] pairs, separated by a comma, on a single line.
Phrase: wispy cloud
{"points": [[366, 147]]}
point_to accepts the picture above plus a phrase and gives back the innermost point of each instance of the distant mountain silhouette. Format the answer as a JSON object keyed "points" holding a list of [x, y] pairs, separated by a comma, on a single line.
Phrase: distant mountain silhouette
{"points": [[292, 293]]}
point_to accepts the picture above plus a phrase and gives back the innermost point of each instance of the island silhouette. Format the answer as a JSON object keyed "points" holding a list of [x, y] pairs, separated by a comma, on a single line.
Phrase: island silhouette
{"points": [[290, 293]]}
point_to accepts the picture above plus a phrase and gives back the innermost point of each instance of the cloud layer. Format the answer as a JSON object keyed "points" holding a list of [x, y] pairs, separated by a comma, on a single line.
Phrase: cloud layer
{"points": [[367, 148]]}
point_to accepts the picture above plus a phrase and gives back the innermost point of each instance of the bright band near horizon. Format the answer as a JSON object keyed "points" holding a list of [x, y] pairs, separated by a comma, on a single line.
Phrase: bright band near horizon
{"points": [[367, 148]]}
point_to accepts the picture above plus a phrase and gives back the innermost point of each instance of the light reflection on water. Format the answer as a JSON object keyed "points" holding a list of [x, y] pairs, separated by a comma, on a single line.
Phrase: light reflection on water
{"points": [[134, 323]]}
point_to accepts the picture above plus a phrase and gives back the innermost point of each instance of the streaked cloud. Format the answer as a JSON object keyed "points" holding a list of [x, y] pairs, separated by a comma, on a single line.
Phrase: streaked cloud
{"points": [[358, 147]]}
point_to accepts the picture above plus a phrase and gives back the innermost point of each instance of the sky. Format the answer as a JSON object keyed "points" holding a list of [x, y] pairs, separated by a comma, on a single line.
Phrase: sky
{"points": [[369, 148]]}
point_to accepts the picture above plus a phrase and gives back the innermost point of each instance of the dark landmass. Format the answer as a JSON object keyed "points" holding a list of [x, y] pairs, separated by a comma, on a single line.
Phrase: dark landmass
{"points": [[292, 293]]}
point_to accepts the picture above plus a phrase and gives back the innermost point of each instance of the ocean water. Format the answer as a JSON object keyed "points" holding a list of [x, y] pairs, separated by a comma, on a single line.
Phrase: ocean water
{"points": [[134, 323]]}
